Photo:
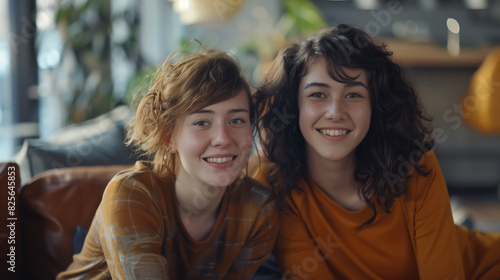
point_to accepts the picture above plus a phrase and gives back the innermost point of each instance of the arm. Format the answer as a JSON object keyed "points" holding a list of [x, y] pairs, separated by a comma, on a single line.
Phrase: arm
{"points": [[259, 244], [129, 234], [300, 255], [436, 244]]}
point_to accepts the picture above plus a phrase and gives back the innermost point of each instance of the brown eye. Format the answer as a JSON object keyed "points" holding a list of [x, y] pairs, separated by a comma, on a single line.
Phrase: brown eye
{"points": [[236, 121], [317, 95], [353, 95]]}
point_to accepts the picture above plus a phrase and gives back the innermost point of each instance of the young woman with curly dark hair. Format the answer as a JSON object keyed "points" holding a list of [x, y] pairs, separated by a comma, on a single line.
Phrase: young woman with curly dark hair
{"points": [[350, 152]]}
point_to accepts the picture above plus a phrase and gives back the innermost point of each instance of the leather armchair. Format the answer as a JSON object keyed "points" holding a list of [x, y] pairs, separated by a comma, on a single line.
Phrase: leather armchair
{"points": [[50, 206]]}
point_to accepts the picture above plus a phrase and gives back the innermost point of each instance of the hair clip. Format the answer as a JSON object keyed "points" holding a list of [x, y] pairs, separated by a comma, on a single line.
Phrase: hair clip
{"points": [[157, 103]]}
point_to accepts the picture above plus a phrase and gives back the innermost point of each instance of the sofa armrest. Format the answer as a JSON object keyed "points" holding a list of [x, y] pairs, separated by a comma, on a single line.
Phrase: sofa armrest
{"points": [[54, 203]]}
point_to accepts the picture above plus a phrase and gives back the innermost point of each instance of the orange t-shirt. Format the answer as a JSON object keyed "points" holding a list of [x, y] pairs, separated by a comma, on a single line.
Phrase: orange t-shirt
{"points": [[137, 233], [318, 239]]}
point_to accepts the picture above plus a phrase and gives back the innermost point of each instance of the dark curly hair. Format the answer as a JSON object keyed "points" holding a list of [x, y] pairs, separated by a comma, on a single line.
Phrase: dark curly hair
{"points": [[399, 132]]}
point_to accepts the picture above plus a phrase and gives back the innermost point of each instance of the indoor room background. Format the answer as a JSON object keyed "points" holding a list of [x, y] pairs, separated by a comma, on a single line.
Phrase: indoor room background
{"points": [[63, 63]]}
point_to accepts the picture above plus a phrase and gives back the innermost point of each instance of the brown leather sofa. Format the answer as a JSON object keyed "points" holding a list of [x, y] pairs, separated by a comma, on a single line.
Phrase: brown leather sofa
{"points": [[47, 211]]}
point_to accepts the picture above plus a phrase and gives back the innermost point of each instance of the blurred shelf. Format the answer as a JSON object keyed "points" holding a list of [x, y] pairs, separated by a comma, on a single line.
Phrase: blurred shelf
{"points": [[428, 54]]}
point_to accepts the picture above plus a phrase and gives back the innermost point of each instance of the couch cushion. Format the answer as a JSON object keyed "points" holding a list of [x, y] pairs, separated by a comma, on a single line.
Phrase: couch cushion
{"points": [[104, 149], [54, 203], [99, 141]]}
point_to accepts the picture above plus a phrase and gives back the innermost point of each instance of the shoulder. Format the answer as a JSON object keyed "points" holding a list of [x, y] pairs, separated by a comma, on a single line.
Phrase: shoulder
{"points": [[259, 192], [429, 160], [430, 165], [138, 180], [252, 190], [302, 195], [419, 186], [250, 197], [260, 169], [133, 192]]}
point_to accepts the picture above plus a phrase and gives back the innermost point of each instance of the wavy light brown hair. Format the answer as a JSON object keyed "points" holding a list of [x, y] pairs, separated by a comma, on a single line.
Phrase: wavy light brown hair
{"points": [[399, 128], [194, 81]]}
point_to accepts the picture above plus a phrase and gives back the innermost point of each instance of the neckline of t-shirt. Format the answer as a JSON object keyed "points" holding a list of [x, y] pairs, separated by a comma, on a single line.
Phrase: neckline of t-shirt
{"points": [[357, 216], [180, 224]]}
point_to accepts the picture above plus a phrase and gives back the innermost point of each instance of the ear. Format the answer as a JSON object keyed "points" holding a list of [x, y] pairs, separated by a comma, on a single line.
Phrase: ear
{"points": [[169, 143]]}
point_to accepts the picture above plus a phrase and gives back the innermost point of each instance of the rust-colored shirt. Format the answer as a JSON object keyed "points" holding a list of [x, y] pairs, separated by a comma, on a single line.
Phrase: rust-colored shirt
{"points": [[137, 233], [418, 239]]}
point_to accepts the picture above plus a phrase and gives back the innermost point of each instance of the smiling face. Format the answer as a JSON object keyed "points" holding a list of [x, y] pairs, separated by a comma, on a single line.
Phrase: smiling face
{"points": [[334, 117], [213, 144]]}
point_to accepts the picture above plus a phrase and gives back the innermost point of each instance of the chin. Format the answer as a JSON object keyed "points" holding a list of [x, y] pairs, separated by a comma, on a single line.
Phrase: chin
{"points": [[335, 157], [223, 180]]}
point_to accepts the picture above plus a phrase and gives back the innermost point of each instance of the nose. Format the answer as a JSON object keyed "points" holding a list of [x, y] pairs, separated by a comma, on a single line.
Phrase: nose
{"points": [[335, 110], [221, 136]]}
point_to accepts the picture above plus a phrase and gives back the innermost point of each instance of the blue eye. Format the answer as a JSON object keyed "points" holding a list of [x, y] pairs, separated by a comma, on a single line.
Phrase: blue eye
{"points": [[201, 123]]}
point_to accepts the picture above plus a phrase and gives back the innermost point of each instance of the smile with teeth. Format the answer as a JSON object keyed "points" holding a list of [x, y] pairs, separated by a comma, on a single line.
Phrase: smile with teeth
{"points": [[334, 132], [219, 160]]}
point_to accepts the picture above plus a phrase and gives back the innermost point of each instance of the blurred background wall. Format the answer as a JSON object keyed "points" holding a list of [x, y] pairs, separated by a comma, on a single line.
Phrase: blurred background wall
{"points": [[65, 62]]}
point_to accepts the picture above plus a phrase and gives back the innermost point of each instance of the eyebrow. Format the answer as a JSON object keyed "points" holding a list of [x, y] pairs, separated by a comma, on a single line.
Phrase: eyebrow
{"points": [[346, 85], [355, 84], [314, 84], [203, 111]]}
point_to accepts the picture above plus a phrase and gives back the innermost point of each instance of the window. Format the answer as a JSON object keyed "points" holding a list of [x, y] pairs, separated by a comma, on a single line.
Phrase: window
{"points": [[6, 137], [18, 76]]}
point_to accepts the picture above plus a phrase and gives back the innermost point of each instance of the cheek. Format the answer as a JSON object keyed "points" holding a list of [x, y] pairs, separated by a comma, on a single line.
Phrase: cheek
{"points": [[245, 141], [192, 143], [363, 118], [307, 117]]}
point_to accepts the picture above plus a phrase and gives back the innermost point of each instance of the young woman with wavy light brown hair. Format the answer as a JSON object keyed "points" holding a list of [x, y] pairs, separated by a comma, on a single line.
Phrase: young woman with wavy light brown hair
{"points": [[190, 212]]}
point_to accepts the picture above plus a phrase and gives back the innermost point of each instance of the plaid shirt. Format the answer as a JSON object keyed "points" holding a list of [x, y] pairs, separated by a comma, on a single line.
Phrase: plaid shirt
{"points": [[137, 233]]}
